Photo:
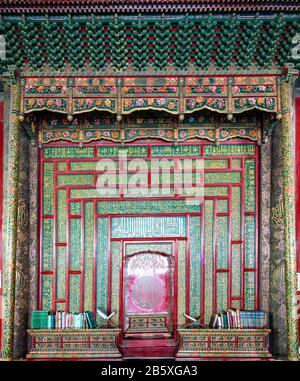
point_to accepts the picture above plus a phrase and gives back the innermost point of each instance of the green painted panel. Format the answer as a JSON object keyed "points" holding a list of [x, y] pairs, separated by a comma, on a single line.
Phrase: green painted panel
{"points": [[250, 241], [47, 245], [140, 207], [236, 222], [88, 255], [87, 193], [75, 208], [222, 206], [94, 193], [47, 292], [236, 270], [222, 243], [169, 151], [61, 265], [181, 307], [236, 163], [61, 166], [222, 291], [236, 304], [107, 185], [102, 261], [215, 191], [165, 178], [113, 152], [140, 227], [229, 150], [195, 266], [83, 165], [132, 248], [183, 176], [250, 185], [195, 164], [61, 232], [249, 290], [109, 179], [115, 284], [68, 152], [193, 193], [74, 293], [92, 166], [216, 164], [60, 306], [222, 177], [208, 256], [48, 184], [144, 192], [75, 244], [64, 180]]}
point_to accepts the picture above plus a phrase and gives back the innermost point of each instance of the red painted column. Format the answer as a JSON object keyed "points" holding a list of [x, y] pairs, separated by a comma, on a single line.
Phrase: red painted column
{"points": [[1, 207], [298, 190]]}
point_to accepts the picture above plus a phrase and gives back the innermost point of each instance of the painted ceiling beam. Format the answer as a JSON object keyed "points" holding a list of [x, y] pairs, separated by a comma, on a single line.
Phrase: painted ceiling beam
{"points": [[147, 6]]}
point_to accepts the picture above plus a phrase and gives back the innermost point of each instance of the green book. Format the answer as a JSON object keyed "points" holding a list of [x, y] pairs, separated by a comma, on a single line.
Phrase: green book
{"points": [[90, 319], [39, 320]]}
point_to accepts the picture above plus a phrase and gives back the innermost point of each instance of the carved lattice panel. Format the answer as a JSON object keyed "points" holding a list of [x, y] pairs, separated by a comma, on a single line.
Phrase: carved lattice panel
{"points": [[83, 232]]}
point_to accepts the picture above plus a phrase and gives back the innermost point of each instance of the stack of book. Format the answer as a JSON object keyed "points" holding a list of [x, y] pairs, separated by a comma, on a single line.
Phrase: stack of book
{"points": [[62, 320], [39, 320], [235, 319], [253, 319]]}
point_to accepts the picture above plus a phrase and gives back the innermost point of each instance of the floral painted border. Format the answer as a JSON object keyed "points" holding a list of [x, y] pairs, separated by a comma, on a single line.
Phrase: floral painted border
{"points": [[88, 104], [263, 103], [164, 104], [121, 95], [200, 89], [257, 89], [197, 103], [51, 104], [148, 90], [51, 90], [94, 90], [68, 135], [128, 135]]}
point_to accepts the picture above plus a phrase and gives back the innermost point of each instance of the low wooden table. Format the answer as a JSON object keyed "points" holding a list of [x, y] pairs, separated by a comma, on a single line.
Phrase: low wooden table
{"points": [[155, 322], [147, 325], [74, 344], [223, 343]]}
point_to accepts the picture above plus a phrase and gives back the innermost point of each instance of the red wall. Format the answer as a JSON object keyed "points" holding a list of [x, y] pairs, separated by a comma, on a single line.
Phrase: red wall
{"points": [[1, 195]]}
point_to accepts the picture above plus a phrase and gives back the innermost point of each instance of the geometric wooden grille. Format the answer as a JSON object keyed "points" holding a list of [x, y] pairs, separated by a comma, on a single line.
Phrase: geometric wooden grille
{"points": [[83, 233]]}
